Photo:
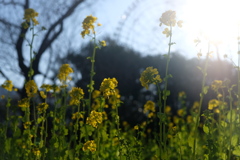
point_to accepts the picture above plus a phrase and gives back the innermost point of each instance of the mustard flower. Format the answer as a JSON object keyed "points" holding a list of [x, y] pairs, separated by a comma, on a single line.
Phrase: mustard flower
{"points": [[213, 103], [149, 106], [95, 94], [2, 96], [180, 112], [166, 32], [76, 95], [217, 84], [29, 15], [168, 110], [36, 152], [47, 87], [168, 18], [102, 43], [7, 85], [150, 75], [42, 107], [77, 115], [43, 95], [24, 103], [31, 88], [89, 145], [136, 127], [88, 25], [108, 86], [26, 125], [94, 118], [64, 72]]}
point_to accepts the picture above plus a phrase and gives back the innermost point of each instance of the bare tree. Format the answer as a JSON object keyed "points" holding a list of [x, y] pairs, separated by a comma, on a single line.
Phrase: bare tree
{"points": [[13, 58]]}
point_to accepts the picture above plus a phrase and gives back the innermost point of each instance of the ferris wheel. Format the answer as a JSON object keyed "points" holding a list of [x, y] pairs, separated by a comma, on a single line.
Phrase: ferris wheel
{"points": [[139, 27]]}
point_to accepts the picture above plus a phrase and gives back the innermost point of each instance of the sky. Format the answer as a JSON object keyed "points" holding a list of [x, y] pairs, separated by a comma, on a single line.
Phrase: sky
{"points": [[135, 24]]}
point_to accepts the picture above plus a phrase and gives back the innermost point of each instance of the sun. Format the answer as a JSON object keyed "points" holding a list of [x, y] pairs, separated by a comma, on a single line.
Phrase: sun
{"points": [[214, 20]]}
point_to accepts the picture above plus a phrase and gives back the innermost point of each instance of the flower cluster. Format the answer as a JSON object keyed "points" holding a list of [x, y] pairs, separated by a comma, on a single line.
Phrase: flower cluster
{"points": [[88, 25], [7, 85], [31, 88], [24, 103], [150, 76], [216, 85], [64, 72], [168, 18], [89, 145], [76, 95], [95, 118], [77, 115], [42, 107], [29, 15], [108, 86], [149, 108], [213, 103]]}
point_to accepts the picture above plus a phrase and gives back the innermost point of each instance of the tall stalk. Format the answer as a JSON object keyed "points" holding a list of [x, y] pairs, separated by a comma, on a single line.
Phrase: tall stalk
{"points": [[203, 92]]}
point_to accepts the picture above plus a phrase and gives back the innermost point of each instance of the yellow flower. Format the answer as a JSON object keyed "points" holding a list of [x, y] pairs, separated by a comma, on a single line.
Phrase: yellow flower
{"points": [[24, 103], [189, 119], [47, 87], [168, 110], [36, 152], [42, 107], [213, 103], [217, 84], [64, 72], [26, 125], [181, 94], [103, 43], [150, 75], [88, 25], [76, 95], [179, 23], [43, 95], [95, 118], [149, 106], [108, 86], [89, 145], [2, 96], [166, 32], [29, 15], [77, 115], [7, 85], [31, 88], [95, 94], [136, 127], [168, 18], [180, 112]]}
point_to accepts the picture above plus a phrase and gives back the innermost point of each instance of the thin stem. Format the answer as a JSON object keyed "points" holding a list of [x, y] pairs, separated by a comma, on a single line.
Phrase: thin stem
{"points": [[200, 102]]}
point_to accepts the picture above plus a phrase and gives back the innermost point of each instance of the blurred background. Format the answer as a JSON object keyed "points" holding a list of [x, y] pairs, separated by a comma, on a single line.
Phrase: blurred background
{"points": [[134, 42]]}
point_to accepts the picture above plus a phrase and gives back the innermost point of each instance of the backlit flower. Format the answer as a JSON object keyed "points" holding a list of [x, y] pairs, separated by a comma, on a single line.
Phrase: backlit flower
{"points": [[103, 43], [150, 76], [166, 32], [213, 103], [149, 106], [168, 18]]}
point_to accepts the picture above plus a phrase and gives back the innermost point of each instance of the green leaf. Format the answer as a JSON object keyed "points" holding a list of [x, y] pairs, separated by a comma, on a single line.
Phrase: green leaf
{"points": [[205, 89], [223, 123], [206, 129], [233, 114], [236, 151], [234, 140]]}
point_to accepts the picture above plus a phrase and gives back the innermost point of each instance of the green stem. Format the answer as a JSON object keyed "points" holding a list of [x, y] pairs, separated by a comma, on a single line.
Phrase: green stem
{"points": [[92, 73], [200, 103], [230, 134], [165, 88]]}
